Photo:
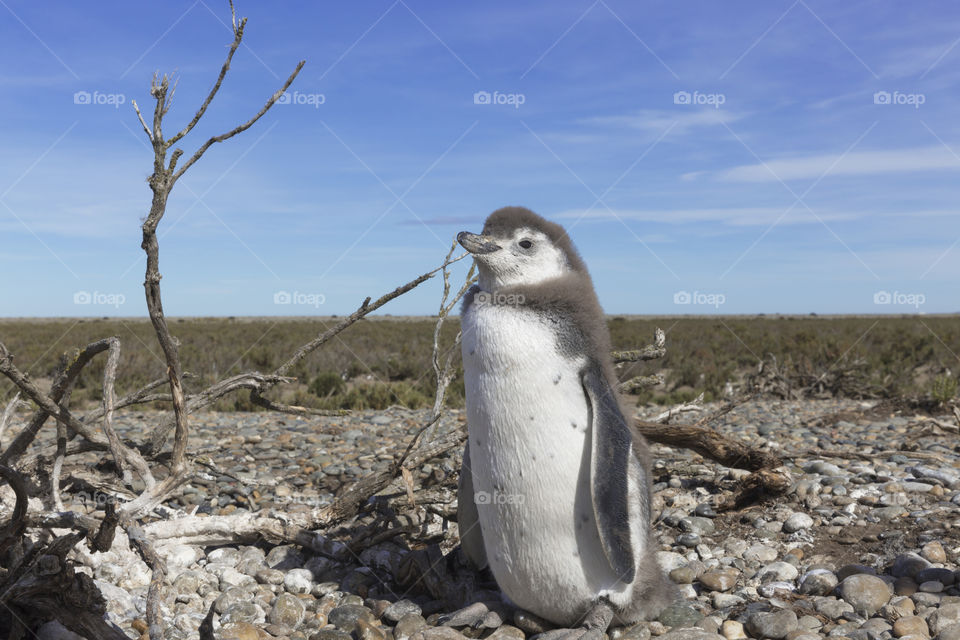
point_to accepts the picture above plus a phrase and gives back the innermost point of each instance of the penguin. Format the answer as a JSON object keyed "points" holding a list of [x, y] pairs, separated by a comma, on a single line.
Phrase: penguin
{"points": [[554, 494]]}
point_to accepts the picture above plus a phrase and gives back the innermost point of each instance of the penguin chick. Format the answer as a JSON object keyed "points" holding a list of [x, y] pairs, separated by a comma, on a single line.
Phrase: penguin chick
{"points": [[554, 494]]}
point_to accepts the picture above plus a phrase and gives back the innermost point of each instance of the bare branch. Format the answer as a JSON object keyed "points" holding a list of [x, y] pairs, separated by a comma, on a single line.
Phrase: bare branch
{"points": [[249, 380], [241, 128], [116, 448], [142, 123], [140, 542], [237, 36], [709, 444], [266, 403], [640, 382], [650, 352], [58, 466], [8, 413], [61, 412], [696, 405], [361, 311], [13, 530], [58, 391], [47, 404]]}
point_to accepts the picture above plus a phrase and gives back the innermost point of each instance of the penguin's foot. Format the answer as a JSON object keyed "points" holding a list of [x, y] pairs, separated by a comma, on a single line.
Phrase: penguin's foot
{"points": [[479, 615], [595, 624]]}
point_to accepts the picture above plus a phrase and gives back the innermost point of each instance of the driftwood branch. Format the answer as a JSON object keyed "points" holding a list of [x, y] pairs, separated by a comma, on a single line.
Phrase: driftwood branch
{"points": [[61, 386], [709, 444], [687, 407], [8, 412], [650, 352], [640, 382]]}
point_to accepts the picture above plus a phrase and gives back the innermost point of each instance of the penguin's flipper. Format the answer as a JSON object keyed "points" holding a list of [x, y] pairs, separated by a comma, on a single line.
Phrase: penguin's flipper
{"points": [[610, 439], [468, 520]]}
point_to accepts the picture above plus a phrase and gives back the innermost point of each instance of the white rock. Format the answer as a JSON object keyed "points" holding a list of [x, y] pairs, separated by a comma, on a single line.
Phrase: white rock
{"points": [[180, 555], [797, 522], [298, 581]]}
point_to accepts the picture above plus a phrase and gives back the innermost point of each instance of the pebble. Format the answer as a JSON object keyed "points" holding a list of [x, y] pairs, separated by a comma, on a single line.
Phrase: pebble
{"points": [[774, 625], [785, 555], [345, 617], [865, 593], [908, 565], [911, 626], [933, 552], [946, 615], [721, 580], [783, 571], [408, 625], [733, 630], [288, 610], [818, 582], [397, 610], [238, 631], [797, 522], [951, 632], [298, 581]]}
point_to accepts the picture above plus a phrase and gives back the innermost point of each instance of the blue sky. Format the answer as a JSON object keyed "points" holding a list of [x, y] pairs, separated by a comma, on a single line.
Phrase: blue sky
{"points": [[788, 156]]}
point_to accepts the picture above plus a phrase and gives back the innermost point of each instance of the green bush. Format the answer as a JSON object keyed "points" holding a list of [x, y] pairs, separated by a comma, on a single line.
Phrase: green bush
{"points": [[327, 384], [944, 388]]}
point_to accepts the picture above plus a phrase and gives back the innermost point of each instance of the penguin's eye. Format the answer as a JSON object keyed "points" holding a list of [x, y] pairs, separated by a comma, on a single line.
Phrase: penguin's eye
{"points": [[526, 244]]}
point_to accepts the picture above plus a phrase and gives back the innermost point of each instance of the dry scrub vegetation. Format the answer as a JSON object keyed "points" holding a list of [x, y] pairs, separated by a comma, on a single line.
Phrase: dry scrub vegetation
{"points": [[386, 361]]}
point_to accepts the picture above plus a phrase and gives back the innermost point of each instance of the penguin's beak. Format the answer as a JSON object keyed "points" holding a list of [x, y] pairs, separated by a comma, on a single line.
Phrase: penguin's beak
{"points": [[477, 245]]}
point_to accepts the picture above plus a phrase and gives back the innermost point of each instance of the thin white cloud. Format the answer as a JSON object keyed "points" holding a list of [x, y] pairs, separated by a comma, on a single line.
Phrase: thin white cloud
{"points": [[747, 216], [932, 158], [682, 119]]}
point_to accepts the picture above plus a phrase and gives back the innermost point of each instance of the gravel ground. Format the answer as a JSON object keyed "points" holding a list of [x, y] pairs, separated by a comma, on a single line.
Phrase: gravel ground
{"points": [[863, 546]]}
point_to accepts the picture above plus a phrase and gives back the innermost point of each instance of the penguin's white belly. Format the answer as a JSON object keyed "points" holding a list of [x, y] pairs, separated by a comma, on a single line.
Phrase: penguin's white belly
{"points": [[527, 416]]}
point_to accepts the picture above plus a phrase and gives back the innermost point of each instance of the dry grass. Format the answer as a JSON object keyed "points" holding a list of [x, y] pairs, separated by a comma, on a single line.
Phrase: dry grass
{"points": [[384, 361]]}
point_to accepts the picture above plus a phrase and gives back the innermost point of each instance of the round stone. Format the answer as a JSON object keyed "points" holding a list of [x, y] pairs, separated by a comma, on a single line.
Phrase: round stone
{"points": [[397, 610], [797, 522], [733, 630], [683, 575], [288, 610], [408, 625], [865, 593], [774, 625], [909, 626], [720, 580], [782, 571], [238, 631], [945, 616], [298, 581], [818, 582], [908, 565], [933, 552], [950, 633], [345, 617]]}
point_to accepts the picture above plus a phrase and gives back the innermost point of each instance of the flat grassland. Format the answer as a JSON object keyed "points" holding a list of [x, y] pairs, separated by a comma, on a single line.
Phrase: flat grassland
{"points": [[383, 361]]}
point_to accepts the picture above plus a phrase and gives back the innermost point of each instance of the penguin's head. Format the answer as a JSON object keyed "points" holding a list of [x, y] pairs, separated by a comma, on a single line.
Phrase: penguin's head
{"points": [[518, 248]]}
